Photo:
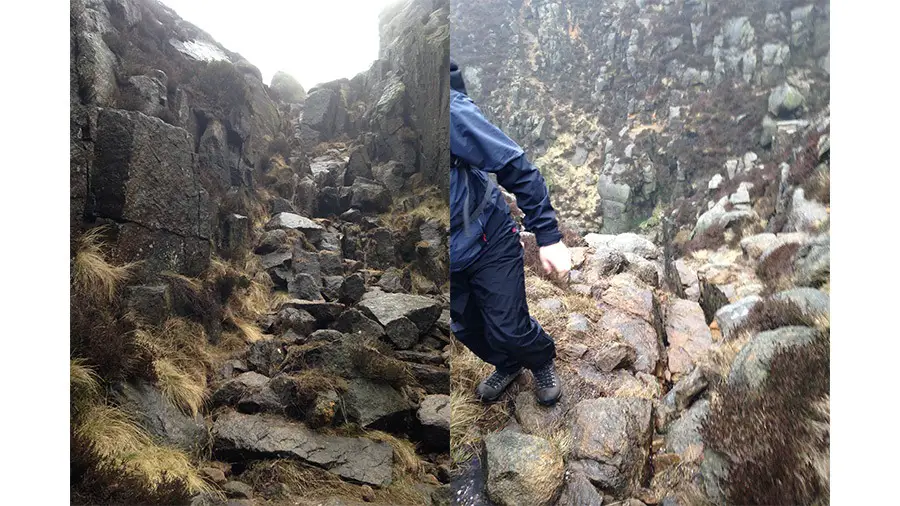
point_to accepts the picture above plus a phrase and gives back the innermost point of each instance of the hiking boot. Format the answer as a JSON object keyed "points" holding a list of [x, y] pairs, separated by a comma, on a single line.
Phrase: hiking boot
{"points": [[490, 389], [547, 384]]}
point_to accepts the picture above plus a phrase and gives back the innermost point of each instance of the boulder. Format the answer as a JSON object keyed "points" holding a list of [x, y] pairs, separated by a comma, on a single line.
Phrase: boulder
{"points": [[537, 419], [630, 295], [323, 312], [242, 437], [812, 263], [370, 197], [305, 286], [805, 215], [237, 490], [312, 230], [320, 112], [133, 180], [613, 355], [579, 491], [683, 435], [689, 337], [374, 405], [810, 301], [353, 288], [353, 323], [240, 387], [731, 316], [639, 334], [389, 308], [785, 101], [395, 280], [271, 241], [522, 470], [603, 263], [751, 366], [635, 244], [287, 89], [755, 245], [434, 415], [166, 422], [435, 380], [611, 441]]}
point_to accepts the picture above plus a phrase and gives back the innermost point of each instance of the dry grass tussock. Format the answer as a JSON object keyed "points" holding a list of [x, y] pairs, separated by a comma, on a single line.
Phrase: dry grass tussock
{"points": [[768, 314], [313, 482], [92, 275], [114, 460], [776, 438], [431, 207], [181, 361], [99, 333], [470, 420]]}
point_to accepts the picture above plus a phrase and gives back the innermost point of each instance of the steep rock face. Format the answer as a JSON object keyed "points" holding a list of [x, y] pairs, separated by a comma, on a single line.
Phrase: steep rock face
{"points": [[627, 106], [166, 124], [231, 196]]}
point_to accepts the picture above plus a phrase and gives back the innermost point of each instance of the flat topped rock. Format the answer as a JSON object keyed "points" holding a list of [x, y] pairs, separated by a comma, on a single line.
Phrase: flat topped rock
{"points": [[269, 436], [292, 221], [385, 308], [323, 312]]}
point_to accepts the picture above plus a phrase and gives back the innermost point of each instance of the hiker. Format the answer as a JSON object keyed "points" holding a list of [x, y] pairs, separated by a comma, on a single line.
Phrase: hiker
{"points": [[488, 310]]}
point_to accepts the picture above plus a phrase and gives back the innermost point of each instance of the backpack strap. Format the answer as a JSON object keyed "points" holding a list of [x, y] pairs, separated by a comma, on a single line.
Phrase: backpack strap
{"points": [[488, 192]]}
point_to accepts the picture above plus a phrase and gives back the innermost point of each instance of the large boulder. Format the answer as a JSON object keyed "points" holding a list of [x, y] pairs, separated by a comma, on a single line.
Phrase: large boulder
{"points": [[689, 337], [522, 470], [683, 436], [805, 215], [144, 176], [241, 437], [320, 112], [611, 441], [390, 309], [751, 366], [368, 196], [639, 334], [812, 263], [785, 101], [730, 317], [312, 230], [286, 88]]}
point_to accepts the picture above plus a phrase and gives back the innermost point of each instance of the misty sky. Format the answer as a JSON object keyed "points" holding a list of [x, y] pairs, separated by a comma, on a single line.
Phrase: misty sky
{"points": [[314, 40]]}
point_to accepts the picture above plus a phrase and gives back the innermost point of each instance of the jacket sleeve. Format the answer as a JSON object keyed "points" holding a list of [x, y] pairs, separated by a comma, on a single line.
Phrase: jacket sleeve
{"points": [[481, 144]]}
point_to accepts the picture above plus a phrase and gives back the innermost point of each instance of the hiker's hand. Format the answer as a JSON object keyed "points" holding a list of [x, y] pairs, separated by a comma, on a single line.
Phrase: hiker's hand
{"points": [[556, 257]]}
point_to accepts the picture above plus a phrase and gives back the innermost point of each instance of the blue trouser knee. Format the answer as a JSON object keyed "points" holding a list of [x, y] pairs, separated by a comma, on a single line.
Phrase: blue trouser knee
{"points": [[488, 308]]}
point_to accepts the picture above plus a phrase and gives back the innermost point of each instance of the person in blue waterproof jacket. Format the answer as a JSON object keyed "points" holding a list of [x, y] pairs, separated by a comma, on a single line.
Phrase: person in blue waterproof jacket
{"points": [[488, 310]]}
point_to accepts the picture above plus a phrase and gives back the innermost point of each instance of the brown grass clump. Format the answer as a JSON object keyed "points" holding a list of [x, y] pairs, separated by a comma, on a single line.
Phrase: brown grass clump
{"points": [[181, 361], [469, 418], [99, 333], [308, 383], [776, 439], [767, 314], [373, 360], [116, 461], [777, 270], [92, 275], [315, 483]]}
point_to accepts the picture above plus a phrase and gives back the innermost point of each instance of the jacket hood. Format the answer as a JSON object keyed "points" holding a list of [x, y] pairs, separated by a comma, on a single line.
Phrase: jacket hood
{"points": [[456, 78]]}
